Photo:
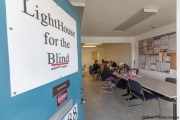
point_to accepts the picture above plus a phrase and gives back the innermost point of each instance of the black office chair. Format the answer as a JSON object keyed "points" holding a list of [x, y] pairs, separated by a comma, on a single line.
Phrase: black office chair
{"points": [[136, 90], [171, 80], [135, 69], [83, 68], [95, 74]]}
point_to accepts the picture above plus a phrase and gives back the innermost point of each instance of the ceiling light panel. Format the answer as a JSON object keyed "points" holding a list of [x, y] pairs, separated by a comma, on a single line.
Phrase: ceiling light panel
{"points": [[89, 46], [138, 17], [92, 43]]}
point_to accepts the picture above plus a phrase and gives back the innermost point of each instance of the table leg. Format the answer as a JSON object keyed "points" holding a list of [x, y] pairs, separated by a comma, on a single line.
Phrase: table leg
{"points": [[127, 92], [174, 110]]}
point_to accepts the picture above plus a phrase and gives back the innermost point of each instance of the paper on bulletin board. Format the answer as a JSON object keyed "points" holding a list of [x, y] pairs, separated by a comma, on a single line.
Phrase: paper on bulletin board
{"points": [[162, 66], [153, 62], [153, 67], [156, 45], [148, 62], [158, 66], [149, 46], [145, 46], [153, 59], [164, 42], [160, 56], [141, 63], [167, 67], [141, 48], [172, 43]]}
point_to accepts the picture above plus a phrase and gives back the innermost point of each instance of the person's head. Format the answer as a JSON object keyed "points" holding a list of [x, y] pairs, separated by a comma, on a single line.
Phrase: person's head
{"points": [[121, 65], [102, 61], [109, 64], [96, 61], [106, 62]]}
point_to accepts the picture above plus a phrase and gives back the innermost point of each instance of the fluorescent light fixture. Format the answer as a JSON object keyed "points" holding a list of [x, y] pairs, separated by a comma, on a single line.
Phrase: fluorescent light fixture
{"points": [[92, 43], [138, 17], [89, 46]]}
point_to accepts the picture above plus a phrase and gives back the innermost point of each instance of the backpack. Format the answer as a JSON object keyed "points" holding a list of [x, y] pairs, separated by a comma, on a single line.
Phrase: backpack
{"points": [[122, 83]]}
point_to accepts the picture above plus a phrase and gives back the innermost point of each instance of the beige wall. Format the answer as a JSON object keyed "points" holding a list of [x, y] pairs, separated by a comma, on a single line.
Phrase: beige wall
{"points": [[118, 53], [112, 40], [86, 55]]}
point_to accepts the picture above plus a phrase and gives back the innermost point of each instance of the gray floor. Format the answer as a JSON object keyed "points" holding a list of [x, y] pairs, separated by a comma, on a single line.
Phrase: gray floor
{"points": [[105, 106]]}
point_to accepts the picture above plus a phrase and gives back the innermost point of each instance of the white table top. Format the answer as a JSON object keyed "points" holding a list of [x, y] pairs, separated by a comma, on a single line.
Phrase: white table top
{"points": [[164, 88]]}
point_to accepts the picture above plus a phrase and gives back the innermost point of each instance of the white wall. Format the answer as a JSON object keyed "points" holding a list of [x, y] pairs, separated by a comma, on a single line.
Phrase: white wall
{"points": [[159, 31]]}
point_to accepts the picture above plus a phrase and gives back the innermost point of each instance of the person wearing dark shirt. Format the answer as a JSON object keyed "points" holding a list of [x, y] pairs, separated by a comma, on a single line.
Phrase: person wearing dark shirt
{"points": [[107, 75], [102, 66], [113, 64], [95, 67], [124, 67]]}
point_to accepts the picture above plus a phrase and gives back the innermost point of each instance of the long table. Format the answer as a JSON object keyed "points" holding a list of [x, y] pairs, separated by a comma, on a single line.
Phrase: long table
{"points": [[159, 86]]}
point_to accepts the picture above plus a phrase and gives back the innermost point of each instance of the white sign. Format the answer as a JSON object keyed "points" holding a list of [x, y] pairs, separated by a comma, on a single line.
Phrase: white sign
{"points": [[72, 114], [42, 43]]}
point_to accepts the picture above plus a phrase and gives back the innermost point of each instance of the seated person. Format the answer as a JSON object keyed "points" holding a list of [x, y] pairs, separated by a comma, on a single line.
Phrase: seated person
{"points": [[107, 75], [90, 70], [124, 67], [102, 61], [102, 66], [95, 67], [113, 64]]}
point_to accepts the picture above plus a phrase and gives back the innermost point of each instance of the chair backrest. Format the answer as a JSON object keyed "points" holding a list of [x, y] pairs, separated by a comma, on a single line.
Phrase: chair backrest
{"points": [[84, 66], [171, 80], [135, 70], [90, 69], [134, 86]]}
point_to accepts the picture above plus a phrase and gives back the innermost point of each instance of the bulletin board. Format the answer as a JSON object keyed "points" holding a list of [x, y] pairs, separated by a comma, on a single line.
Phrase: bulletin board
{"points": [[157, 53], [173, 61]]}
